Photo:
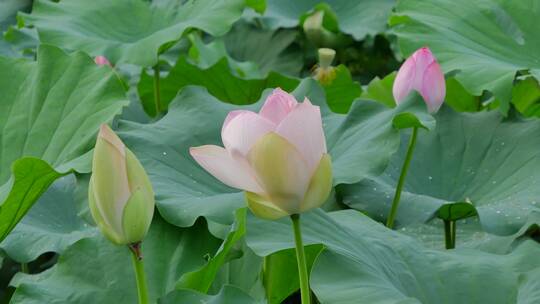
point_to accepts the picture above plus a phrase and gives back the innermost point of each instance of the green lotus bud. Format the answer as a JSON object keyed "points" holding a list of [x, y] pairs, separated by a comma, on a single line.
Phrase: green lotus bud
{"points": [[120, 193]]}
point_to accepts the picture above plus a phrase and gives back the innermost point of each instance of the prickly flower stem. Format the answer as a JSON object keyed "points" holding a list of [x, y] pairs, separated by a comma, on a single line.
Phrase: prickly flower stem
{"points": [[401, 181], [301, 260], [137, 258], [157, 94]]}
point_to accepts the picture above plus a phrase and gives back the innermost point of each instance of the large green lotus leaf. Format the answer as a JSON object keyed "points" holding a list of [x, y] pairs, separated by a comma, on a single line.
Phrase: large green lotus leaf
{"points": [[50, 111], [487, 41], [529, 287], [51, 225], [93, 270], [368, 263], [128, 31], [357, 18], [477, 156], [227, 295], [360, 144]]}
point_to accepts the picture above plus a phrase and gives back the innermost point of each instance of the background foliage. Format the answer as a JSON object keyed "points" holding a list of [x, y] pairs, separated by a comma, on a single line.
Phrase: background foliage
{"points": [[478, 156]]}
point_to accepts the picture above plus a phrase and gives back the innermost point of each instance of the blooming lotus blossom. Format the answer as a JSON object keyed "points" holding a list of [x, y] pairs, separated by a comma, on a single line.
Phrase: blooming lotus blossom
{"points": [[120, 193], [102, 60], [422, 73], [277, 156]]}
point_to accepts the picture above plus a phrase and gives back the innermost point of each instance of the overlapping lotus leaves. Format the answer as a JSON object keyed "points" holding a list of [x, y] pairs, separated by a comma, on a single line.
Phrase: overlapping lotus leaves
{"points": [[9, 9], [135, 35], [366, 262], [50, 111], [498, 39], [230, 81], [478, 169], [357, 18], [52, 225], [270, 49], [8, 12], [83, 268], [478, 157], [360, 144]]}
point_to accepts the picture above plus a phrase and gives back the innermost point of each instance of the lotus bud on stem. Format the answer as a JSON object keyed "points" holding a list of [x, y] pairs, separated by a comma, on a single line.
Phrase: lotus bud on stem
{"points": [[422, 73], [121, 199]]}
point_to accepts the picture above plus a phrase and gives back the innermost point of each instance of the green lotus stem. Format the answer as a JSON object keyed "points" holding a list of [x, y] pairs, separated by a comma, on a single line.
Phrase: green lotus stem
{"points": [[157, 95], [450, 234], [401, 181], [24, 268], [301, 260], [136, 257], [453, 224]]}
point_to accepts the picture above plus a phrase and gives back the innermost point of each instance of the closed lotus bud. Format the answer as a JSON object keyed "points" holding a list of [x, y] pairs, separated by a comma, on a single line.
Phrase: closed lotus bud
{"points": [[102, 60], [277, 156], [120, 193], [421, 73]]}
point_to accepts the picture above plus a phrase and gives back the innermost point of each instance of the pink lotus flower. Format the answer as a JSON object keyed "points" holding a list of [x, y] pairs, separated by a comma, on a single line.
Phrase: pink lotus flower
{"points": [[422, 73], [278, 156], [102, 60]]}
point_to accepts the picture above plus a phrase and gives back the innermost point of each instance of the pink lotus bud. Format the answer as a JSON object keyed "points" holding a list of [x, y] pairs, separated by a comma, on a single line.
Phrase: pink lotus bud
{"points": [[278, 156], [102, 60], [422, 73]]}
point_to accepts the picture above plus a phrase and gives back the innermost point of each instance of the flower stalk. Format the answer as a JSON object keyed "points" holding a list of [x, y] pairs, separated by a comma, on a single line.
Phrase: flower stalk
{"points": [[157, 94], [450, 234], [301, 260], [25, 268], [401, 181], [138, 266]]}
